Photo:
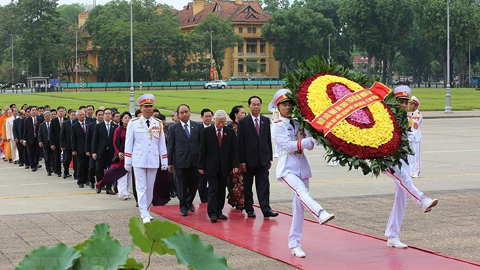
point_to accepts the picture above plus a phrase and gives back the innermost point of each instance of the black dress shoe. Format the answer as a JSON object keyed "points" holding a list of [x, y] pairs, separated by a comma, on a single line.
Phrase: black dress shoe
{"points": [[81, 185], [39, 166], [20, 165], [15, 162], [270, 213], [75, 177], [111, 192], [251, 214], [222, 217], [136, 204], [213, 219], [191, 208], [99, 190], [59, 174], [184, 213], [27, 167], [173, 194], [34, 169], [49, 174], [92, 185]]}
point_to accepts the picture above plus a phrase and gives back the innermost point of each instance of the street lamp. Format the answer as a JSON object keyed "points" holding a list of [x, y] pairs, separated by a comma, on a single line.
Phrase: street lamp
{"points": [[448, 101], [132, 94], [329, 57], [76, 60], [13, 81], [211, 51]]}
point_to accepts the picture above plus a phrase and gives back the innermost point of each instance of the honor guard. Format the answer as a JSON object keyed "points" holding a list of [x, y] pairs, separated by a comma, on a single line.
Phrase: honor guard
{"points": [[403, 185], [145, 151], [415, 136], [292, 167]]}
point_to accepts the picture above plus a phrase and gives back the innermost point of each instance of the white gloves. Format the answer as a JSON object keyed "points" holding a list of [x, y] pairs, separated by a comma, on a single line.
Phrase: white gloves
{"points": [[308, 143], [128, 167], [164, 167]]}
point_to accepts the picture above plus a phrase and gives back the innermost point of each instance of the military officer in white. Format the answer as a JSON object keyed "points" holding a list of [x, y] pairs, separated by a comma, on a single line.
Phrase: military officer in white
{"points": [[415, 136], [145, 151], [292, 167], [403, 186]]}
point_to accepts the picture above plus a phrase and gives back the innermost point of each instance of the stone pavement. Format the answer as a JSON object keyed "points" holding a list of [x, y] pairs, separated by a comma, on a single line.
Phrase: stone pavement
{"points": [[37, 210]]}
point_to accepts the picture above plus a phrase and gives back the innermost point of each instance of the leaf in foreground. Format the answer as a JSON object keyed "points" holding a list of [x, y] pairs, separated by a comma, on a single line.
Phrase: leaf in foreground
{"points": [[191, 251], [149, 236], [57, 257], [106, 252]]}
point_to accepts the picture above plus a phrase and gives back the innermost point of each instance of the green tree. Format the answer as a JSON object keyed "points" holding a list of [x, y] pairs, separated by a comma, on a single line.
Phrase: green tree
{"points": [[223, 37], [270, 6], [70, 12], [298, 34]]}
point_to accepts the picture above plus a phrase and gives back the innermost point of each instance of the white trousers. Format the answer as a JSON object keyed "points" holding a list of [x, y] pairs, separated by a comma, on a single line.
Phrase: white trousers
{"points": [[403, 188], [301, 199], [145, 181], [123, 185], [13, 147], [414, 160]]}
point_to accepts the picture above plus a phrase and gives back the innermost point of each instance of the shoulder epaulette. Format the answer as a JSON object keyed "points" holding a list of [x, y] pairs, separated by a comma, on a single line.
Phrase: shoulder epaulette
{"points": [[134, 119]]}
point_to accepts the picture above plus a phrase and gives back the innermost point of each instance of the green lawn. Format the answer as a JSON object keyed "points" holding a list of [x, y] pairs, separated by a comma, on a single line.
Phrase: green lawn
{"points": [[431, 99]]}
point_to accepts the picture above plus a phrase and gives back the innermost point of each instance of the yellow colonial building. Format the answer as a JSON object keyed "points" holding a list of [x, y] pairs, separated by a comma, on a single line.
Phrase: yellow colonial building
{"points": [[254, 59]]}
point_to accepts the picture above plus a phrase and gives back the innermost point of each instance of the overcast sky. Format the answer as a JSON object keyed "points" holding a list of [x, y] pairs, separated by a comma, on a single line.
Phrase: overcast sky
{"points": [[178, 4]]}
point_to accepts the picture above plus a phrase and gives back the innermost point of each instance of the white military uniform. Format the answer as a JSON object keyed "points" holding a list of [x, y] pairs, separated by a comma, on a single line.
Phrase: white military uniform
{"points": [[144, 148], [415, 138], [294, 171]]}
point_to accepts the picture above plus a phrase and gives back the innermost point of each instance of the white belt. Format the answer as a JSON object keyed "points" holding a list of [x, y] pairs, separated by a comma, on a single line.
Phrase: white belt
{"points": [[282, 153]]}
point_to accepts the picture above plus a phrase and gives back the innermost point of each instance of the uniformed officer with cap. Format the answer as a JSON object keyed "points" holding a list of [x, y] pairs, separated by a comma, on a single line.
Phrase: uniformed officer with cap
{"points": [[145, 151], [403, 185], [414, 136], [292, 167]]}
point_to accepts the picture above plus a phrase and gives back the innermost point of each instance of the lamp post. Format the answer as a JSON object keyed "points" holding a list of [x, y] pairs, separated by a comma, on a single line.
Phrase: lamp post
{"points": [[329, 57], [211, 52], [448, 101], [132, 94], [76, 60], [13, 78]]}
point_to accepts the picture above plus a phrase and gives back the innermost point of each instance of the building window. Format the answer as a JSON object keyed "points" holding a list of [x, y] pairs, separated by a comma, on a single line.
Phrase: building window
{"points": [[240, 29], [240, 65], [249, 30], [254, 30], [252, 46], [263, 65], [262, 46], [240, 49]]}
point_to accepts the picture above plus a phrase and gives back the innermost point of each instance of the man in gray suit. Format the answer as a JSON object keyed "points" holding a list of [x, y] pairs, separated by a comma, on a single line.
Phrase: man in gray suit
{"points": [[182, 146]]}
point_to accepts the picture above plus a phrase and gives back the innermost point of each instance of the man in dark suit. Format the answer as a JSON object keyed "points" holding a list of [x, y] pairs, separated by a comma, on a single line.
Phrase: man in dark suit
{"points": [[102, 146], [44, 141], [66, 143], [206, 115], [255, 150], [90, 118], [57, 124], [88, 147], [217, 156], [28, 114], [30, 136], [79, 133], [182, 148], [17, 135]]}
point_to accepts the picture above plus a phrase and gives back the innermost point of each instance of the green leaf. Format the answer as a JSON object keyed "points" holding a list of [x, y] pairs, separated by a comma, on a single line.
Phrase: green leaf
{"points": [[132, 264], [57, 257], [106, 252], [148, 237], [191, 251], [101, 230]]}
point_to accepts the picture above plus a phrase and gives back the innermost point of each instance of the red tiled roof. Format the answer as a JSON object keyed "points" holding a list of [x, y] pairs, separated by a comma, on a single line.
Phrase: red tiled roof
{"points": [[362, 59], [246, 12]]}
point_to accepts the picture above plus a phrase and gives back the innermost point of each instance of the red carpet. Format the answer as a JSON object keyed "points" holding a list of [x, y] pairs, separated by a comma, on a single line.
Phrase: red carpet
{"points": [[326, 246]]}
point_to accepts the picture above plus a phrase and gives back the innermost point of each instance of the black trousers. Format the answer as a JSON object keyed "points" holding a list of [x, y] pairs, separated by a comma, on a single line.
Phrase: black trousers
{"points": [[187, 185], [101, 165], [48, 156], [33, 153], [262, 185], [21, 154], [91, 170], [67, 159], [202, 188], [82, 168], [216, 194], [57, 164]]}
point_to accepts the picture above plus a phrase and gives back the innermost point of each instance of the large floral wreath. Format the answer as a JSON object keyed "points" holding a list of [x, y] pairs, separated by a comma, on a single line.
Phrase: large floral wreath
{"points": [[372, 138]]}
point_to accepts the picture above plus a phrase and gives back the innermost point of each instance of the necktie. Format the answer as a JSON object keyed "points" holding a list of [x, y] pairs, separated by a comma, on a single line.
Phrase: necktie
{"points": [[83, 127], [257, 126], [48, 131], [219, 137], [34, 126], [148, 123], [108, 129], [291, 123], [186, 131], [61, 122]]}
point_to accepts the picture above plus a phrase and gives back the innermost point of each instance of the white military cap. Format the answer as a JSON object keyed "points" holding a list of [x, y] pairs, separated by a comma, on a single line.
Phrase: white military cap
{"points": [[402, 91], [146, 99], [415, 100], [280, 96]]}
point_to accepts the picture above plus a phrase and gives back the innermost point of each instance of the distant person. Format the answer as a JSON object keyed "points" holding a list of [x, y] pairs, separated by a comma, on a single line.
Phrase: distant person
{"points": [[236, 198], [56, 126], [415, 137], [256, 155], [79, 134], [44, 141], [206, 115], [30, 135], [66, 143]]}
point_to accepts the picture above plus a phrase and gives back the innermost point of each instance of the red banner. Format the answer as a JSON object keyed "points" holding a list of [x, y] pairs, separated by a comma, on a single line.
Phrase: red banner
{"points": [[212, 73], [347, 105]]}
